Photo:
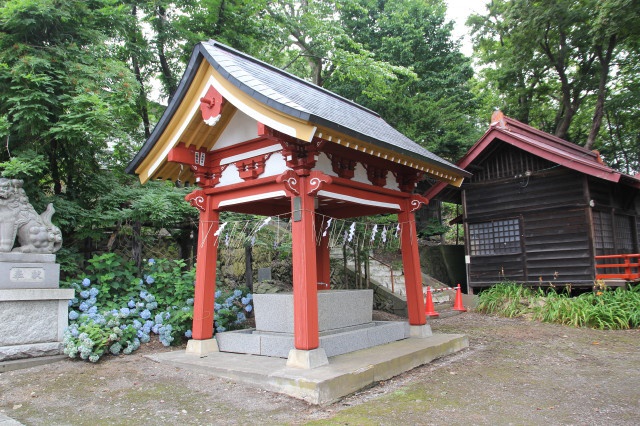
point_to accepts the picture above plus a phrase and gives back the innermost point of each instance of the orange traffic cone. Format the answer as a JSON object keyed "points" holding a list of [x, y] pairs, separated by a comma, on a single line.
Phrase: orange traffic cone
{"points": [[430, 310], [457, 304]]}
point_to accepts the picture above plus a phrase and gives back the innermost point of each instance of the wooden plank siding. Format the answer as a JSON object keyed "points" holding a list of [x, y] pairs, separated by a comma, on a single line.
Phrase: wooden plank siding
{"points": [[554, 224]]}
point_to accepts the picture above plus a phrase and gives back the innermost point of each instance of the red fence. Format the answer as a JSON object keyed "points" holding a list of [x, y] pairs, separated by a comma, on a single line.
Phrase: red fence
{"points": [[627, 265]]}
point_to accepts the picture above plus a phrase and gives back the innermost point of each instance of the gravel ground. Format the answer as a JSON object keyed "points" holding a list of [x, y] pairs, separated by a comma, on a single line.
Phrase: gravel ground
{"points": [[514, 372]]}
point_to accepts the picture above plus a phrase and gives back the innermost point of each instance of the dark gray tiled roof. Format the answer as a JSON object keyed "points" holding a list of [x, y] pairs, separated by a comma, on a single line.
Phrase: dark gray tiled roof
{"points": [[296, 97]]}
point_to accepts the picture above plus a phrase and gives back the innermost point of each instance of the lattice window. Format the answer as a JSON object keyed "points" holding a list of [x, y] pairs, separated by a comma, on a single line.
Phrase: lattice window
{"points": [[496, 237], [603, 230], [624, 238]]}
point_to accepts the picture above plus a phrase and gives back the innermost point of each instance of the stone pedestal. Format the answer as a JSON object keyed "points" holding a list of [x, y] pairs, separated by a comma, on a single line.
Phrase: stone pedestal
{"points": [[33, 310], [344, 321]]}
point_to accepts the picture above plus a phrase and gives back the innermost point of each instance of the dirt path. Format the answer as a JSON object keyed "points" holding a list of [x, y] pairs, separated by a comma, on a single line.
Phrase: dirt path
{"points": [[515, 372]]}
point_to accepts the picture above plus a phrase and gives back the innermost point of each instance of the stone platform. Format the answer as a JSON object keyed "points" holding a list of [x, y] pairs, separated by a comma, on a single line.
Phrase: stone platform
{"points": [[343, 375], [344, 322], [33, 310]]}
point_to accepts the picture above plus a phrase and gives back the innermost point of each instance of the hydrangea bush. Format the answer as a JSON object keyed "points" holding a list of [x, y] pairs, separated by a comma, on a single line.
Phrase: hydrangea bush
{"points": [[115, 311]]}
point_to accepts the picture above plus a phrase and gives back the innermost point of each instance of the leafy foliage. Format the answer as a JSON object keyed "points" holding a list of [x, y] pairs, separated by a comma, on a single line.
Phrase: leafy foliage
{"points": [[601, 309], [115, 310], [554, 64]]}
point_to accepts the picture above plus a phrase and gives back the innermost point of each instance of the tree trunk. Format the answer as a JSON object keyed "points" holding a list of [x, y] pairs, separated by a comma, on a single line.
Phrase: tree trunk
{"points": [[167, 75], [605, 61], [248, 266], [143, 109], [136, 245]]}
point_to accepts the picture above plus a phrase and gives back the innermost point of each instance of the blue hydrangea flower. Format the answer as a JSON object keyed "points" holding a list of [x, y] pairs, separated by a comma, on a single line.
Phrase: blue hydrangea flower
{"points": [[93, 310], [237, 293], [131, 304], [115, 348], [167, 315], [84, 294], [143, 294], [141, 282], [156, 328], [144, 337], [145, 314], [158, 319], [137, 324], [124, 312], [74, 332], [70, 303], [84, 306], [218, 293], [245, 300], [216, 306], [152, 261], [248, 308], [93, 292], [86, 282], [249, 296], [188, 334], [189, 302], [150, 280], [241, 317], [152, 305], [73, 315], [220, 329]]}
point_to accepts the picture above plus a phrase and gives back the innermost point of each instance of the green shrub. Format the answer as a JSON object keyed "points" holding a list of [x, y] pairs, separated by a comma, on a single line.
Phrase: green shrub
{"points": [[602, 309], [114, 310]]}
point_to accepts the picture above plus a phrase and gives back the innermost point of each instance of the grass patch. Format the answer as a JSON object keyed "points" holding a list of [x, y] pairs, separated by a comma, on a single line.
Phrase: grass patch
{"points": [[617, 309]]}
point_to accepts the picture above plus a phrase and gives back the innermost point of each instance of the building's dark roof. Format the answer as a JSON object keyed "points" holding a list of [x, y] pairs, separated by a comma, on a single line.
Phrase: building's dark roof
{"points": [[296, 97], [544, 145]]}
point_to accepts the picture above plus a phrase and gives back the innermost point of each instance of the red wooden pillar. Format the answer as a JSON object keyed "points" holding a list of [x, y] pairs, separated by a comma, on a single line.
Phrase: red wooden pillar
{"points": [[305, 292], [323, 262], [204, 298], [411, 265]]}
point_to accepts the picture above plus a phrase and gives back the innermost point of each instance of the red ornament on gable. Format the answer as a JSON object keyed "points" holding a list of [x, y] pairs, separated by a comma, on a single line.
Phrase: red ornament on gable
{"points": [[211, 106]]}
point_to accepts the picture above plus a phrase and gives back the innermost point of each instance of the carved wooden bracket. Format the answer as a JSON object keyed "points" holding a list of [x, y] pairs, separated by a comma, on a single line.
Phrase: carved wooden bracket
{"points": [[376, 175], [301, 156], [343, 167], [291, 182], [196, 199], [211, 106], [407, 181], [251, 168], [199, 161], [317, 180], [416, 201]]}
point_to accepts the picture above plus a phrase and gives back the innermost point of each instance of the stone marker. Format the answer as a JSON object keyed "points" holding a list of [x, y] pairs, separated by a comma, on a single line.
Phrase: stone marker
{"points": [[33, 309]]}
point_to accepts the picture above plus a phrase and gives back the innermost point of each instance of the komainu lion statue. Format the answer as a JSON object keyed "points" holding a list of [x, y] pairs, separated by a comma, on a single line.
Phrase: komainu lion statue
{"points": [[35, 233]]}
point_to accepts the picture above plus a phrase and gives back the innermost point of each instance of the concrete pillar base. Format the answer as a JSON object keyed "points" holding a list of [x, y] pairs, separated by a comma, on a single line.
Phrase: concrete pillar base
{"points": [[307, 359], [420, 331], [202, 347]]}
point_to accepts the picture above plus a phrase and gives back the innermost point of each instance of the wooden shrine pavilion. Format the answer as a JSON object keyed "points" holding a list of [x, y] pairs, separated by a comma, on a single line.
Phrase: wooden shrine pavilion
{"points": [[258, 140], [543, 211]]}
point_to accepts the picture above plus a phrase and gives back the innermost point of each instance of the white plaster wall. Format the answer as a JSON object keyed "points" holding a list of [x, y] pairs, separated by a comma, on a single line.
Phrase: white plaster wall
{"points": [[392, 183], [361, 174], [275, 165], [230, 176], [324, 165], [240, 128]]}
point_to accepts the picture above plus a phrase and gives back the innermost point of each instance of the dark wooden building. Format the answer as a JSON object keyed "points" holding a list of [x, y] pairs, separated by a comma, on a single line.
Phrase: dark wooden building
{"points": [[538, 209]]}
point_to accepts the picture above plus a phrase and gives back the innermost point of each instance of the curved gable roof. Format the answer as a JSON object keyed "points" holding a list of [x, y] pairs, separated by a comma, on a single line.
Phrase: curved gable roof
{"points": [[293, 97], [543, 145]]}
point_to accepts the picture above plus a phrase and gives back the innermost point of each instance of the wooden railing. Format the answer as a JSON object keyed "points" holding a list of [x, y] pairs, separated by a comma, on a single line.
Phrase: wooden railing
{"points": [[629, 264]]}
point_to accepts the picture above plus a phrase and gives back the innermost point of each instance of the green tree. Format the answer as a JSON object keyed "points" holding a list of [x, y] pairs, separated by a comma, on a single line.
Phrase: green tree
{"points": [[552, 61], [62, 93], [435, 107]]}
